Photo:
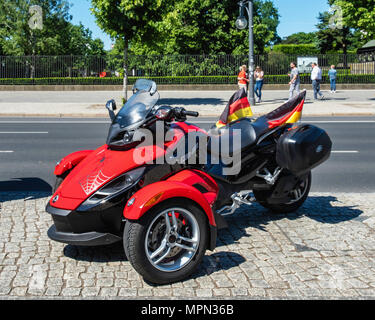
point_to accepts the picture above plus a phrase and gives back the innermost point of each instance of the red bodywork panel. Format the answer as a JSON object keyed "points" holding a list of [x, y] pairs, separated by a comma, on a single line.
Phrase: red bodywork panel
{"points": [[180, 185], [98, 168], [93, 169], [71, 161]]}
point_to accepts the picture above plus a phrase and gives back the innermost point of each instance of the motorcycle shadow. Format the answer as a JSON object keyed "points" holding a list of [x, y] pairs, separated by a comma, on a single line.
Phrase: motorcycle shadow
{"points": [[323, 209], [24, 189], [102, 254], [115, 253]]}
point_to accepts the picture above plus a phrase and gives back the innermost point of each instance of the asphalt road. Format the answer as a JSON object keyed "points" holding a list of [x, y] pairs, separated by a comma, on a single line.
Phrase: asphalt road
{"points": [[30, 148]]}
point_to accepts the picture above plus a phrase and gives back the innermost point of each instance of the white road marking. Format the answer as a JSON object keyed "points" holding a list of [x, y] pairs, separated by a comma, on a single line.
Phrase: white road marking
{"points": [[22, 132], [189, 120], [6, 151], [347, 151]]}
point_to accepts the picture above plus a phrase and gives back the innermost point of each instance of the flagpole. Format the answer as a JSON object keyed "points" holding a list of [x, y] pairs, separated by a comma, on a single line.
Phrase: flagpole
{"points": [[251, 93], [241, 23]]}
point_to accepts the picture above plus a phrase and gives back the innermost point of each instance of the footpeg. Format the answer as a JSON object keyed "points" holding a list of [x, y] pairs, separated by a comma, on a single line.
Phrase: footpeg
{"points": [[239, 198], [269, 177]]}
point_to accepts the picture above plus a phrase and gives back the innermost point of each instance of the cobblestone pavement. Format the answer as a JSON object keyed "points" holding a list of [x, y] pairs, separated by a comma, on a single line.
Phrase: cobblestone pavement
{"points": [[325, 250]]}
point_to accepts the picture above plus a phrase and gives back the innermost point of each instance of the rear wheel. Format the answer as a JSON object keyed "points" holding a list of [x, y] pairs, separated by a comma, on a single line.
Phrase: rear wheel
{"points": [[168, 243], [299, 195]]}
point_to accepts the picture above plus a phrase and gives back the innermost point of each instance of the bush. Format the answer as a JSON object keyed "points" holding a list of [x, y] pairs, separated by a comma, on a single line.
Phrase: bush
{"points": [[343, 77], [296, 49]]}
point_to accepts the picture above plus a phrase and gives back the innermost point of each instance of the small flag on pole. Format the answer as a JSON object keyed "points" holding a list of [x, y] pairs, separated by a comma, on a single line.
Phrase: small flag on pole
{"points": [[238, 107]]}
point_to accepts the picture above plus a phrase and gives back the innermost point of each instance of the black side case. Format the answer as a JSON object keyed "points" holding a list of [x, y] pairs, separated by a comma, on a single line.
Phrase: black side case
{"points": [[303, 148]]}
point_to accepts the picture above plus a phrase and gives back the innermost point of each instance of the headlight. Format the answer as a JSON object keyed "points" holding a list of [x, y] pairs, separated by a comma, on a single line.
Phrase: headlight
{"points": [[113, 188]]}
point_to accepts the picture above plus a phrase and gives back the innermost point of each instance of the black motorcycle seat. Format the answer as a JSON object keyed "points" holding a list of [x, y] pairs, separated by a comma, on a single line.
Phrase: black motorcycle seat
{"points": [[250, 134]]}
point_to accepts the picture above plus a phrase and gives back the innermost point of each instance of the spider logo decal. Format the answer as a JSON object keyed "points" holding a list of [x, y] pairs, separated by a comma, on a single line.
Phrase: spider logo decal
{"points": [[93, 182]]}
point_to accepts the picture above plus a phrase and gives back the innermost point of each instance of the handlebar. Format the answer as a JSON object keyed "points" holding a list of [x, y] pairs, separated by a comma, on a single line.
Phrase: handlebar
{"points": [[169, 114], [191, 114]]}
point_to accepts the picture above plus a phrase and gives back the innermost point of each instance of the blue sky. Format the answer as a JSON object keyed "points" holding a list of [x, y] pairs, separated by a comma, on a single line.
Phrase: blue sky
{"points": [[80, 11], [296, 16], [299, 15]]}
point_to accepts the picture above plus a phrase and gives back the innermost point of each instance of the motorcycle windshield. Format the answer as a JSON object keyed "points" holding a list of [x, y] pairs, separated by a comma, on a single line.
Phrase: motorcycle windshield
{"points": [[136, 109]]}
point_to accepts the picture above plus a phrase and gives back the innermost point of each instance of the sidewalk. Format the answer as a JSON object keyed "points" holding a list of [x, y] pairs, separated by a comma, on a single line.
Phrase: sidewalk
{"points": [[324, 251], [207, 103]]}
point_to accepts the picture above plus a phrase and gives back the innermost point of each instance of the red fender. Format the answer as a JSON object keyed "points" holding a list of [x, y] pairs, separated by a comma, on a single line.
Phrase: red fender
{"points": [[179, 185], [70, 161]]}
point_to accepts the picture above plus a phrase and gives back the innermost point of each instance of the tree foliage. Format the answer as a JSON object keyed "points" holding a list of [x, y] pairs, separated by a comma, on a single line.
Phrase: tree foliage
{"points": [[295, 49], [206, 27], [300, 38], [127, 21], [334, 39], [58, 36], [81, 42], [358, 15]]}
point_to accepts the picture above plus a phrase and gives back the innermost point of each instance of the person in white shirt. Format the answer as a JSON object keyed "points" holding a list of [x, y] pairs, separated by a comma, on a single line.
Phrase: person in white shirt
{"points": [[316, 77]]}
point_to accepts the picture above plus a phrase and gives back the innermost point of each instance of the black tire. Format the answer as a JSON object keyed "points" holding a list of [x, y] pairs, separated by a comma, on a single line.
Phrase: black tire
{"points": [[58, 182], [135, 233], [263, 196]]}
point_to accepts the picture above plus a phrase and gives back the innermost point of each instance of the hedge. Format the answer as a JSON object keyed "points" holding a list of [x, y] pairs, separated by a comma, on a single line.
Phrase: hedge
{"points": [[295, 49], [269, 79]]}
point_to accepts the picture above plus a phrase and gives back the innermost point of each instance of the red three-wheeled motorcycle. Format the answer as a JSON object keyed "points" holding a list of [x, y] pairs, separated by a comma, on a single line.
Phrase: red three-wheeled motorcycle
{"points": [[167, 213]]}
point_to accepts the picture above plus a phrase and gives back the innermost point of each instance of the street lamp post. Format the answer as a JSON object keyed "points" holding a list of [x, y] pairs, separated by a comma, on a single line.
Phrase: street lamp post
{"points": [[241, 24]]}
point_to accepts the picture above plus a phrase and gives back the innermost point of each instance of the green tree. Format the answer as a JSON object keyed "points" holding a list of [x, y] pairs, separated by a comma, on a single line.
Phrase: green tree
{"points": [[359, 15], [208, 27], [81, 42], [333, 38], [58, 36], [1, 47], [295, 49], [300, 38], [128, 20], [19, 39]]}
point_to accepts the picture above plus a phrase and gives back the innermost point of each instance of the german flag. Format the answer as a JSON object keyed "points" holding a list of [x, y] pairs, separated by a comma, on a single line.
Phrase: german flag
{"points": [[289, 112], [238, 107]]}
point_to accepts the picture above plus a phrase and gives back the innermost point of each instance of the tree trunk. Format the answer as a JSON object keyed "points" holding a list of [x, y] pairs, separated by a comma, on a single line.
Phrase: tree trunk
{"points": [[32, 65], [125, 87], [346, 33]]}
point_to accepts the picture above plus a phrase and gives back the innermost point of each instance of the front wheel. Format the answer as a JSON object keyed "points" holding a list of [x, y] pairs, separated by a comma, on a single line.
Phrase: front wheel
{"points": [[298, 196], [60, 180], [168, 243]]}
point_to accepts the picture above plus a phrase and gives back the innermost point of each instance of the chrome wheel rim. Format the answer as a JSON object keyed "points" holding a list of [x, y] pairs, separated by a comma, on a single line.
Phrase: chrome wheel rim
{"points": [[299, 192], [172, 239]]}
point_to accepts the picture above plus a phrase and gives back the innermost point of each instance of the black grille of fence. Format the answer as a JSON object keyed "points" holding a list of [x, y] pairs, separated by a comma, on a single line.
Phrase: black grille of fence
{"points": [[173, 69]]}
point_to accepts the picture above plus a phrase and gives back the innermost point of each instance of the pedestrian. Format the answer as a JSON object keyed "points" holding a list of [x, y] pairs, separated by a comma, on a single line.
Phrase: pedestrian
{"points": [[259, 80], [316, 77], [243, 78], [332, 73], [295, 80]]}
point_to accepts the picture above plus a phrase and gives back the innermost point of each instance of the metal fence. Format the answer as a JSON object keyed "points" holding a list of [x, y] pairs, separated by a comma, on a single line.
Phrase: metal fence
{"points": [[173, 69]]}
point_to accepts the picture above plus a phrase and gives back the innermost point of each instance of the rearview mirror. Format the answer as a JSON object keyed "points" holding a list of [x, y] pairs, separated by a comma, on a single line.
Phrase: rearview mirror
{"points": [[111, 105]]}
